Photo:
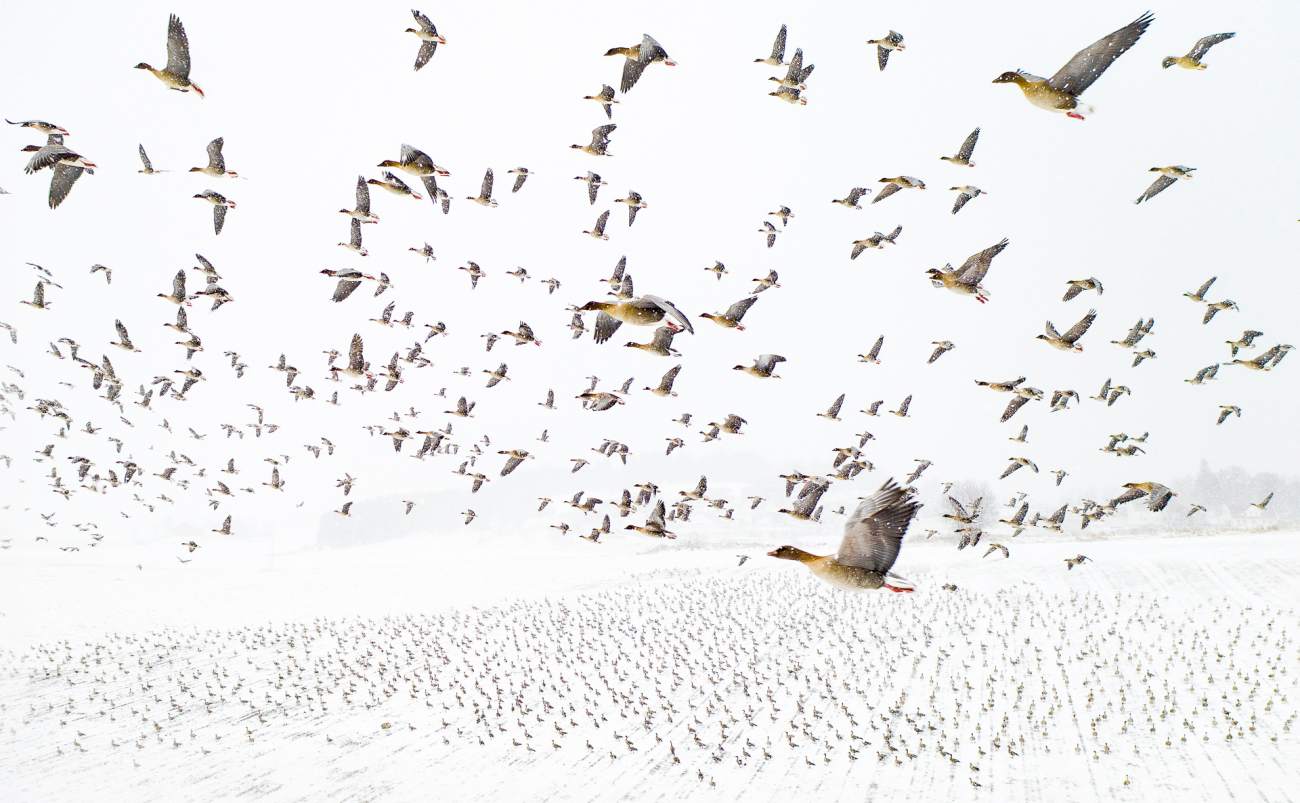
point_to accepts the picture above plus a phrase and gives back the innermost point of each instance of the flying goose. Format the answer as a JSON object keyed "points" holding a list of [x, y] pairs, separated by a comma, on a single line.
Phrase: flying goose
{"points": [[1077, 286], [1264, 504], [661, 342], [731, 318], [1226, 411], [833, 412], [1140, 330], [394, 185], [942, 347], [894, 41], [770, 231], [1213, 309], [876, 240], [655, 525], [148, 166], [1016, 464], [647, 310], [219, 205], [176, 75], [1070, 563], [216, 162], [1199, 295], [1247, 341], [516, 456], [598, 231], [485, 193], [1169, 176], [967, 148], [427, 33], [1061, 92], [851, 201], [777, 59], [599, 140], [873, 536], [124, 340], [764, 366], [968, 192], [634, 203], [665, 387], [893, 185], [1069, 340], [966, 280], [362, 212], [873, 356], [1192, 61], [638, 57], [524, 335], [605, 98]]}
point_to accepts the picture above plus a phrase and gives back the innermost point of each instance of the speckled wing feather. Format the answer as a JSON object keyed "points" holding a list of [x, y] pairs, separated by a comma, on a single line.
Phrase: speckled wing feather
{"points": [[873, 535], [178, 48], [962, 198], [215, 159], [511, 465], [968, 147], [1088, 64], [519, 181], [1015, 404], [974, 269], [344, 289], [1077, 331], [887, 190], [671, 310], [1203, 46], [606, 326], [737, 311], [61, 183], [1158, 186], [882, 57], [486, 192]]}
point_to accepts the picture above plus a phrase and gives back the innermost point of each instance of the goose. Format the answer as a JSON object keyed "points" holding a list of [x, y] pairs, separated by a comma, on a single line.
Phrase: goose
{"points": [[495, 377], [876, 240], [777, 59], [647, 310], [426, 252], [1139, 356], [1061, 92], [1139, 330], [176, 75], [893, 185], [1169, 176], [1192, 61], [1069, 340], [216, 162], [661, 342], [873, 356], [1213, 309], [39, 125], [967, 193], [655, 526], [524, 335], [730, 425], [764, 366], [515, 458], [1199, 295], [1246, 341], [784, 214], [765, 282], [942, 347], [665, 387], [1006, 553], [901, 412], [1264, 504], [124, 340], [884, 45], [349, 280], [148, 166], [851, 200], [357, 366], [219, 205], [605, 98], [475, 273], [599, 141], [833, 412], [225, 527], [521, 175], [394, 185], [178, 296], [1061, 400], [1017, 521], [485, 193], [638, 57], [967, 280], [191, 544], [463, 409], [967, 148], [634, 204], [718, 270], [873, 537], [731, 318], [427, 33], [1018, 463], [1078, 560], [362, 212], [275, 482], [416, 163], [38, 302], [598, 231], [1195, 509], [1226, 411]]}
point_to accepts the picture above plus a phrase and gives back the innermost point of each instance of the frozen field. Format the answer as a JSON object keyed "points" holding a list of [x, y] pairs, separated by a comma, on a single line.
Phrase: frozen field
{"points": [[622, 671]]}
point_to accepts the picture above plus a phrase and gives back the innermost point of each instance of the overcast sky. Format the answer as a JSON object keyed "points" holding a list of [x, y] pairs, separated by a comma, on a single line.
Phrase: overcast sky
{"points": [[308, 99]]}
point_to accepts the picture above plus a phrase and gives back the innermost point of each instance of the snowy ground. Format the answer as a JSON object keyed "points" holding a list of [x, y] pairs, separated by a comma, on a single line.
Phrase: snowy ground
{"points": [[1033, 682]]}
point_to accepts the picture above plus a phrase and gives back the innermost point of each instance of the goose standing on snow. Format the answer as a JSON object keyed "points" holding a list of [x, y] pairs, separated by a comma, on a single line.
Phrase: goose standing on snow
{"points": [[1060, 93], [176, 75], [873, 537]]}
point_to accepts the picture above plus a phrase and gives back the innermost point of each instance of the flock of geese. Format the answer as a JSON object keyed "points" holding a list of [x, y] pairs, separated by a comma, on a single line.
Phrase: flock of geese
{"points": [[873, 532]]}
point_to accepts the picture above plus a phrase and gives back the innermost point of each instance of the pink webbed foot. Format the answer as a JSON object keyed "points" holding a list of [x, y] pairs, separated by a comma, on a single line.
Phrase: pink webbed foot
{"points": [[896, 589], [1075, 115]]}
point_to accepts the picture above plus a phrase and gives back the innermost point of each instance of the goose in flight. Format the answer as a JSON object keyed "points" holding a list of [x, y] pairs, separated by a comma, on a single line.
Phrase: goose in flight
{"points": [[967, 193], [1216, 307], [665, 387], [661, 342], [216, 162], [873, 537], [1226, 411], [176, 75], [731, 318], [634, 204], [123, 339], [873, 356], [1078, 560], [598, 231], [1139, 330], [1247, 341], [225, 527], [876, 240], [148, 165], [777, 59], [833, 412], [1192, 61], [1077, 286], [770, 231], [219, 205], [427, 33], [394, 185], [638, 57], [599, 141], [362, 212], [1199, 295], [416, 162], [1157, 495], [851, 200], [885, 45], [764, 366], [655, 526], [647, 310], [893, 185], [485, 193], [1018, 463], [38, 302], [1061, 92], [524, 335], [1069, 340], [463, 408], [967, 279], [516, 456], [942, 347], [605, 98], [1264, 504], [1168, 177], [967, 149]]}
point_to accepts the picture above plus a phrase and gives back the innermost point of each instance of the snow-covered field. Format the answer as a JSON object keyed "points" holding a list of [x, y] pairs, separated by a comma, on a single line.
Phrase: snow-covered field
{"points": [[624, 671]]}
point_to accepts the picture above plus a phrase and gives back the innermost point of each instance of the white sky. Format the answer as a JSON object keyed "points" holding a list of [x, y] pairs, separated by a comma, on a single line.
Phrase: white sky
{"points": [[307, 101]]}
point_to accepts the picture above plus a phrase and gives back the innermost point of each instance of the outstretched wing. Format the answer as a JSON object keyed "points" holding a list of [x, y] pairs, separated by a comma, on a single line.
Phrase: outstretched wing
{"points": [[873, 535], [1158, 186], [178, 48], [976, 267], [1088, 64], [606, 326], [1203, 46], [968, 147], [672, 311], [1079, 328]]}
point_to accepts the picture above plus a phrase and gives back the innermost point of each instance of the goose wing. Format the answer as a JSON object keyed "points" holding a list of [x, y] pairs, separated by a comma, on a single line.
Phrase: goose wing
{"points": [[873, 535], [178, 48], [1088, 64], [670, 310], [1077, 331], [968, 147]]}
